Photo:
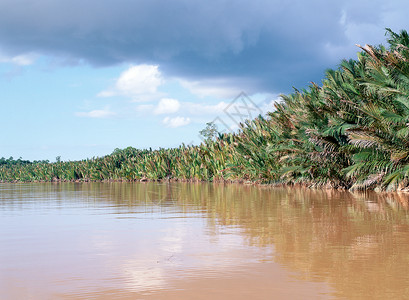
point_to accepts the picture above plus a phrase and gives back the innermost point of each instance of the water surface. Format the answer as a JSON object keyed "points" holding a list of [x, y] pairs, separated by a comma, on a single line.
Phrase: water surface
{"points": [[200, 241]]}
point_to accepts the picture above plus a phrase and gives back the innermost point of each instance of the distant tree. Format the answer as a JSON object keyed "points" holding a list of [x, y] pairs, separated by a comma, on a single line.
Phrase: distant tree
{"points": [[13, 162], [209, 132]]}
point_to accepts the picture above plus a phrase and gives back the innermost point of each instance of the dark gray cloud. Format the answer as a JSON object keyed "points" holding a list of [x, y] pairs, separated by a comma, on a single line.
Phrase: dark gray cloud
{"points": [[270, 44]]}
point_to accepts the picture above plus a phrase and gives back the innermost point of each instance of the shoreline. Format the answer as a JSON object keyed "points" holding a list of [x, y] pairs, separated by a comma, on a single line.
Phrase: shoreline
{"points": [[316, 186]]}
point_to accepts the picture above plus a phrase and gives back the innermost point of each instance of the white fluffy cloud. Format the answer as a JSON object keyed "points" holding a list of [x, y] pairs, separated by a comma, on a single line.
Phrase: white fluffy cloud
{"points": [[139, 82], [176, 122], [98, 113], [170, 106], [144, 80], [167, 106]]}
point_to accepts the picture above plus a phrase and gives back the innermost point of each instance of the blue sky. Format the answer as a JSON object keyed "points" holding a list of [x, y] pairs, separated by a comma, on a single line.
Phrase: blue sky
{"points": [[79, 79]]}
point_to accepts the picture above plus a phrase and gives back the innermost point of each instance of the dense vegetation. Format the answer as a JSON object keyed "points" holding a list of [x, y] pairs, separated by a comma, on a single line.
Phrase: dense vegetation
{"points": [[351, 132]]}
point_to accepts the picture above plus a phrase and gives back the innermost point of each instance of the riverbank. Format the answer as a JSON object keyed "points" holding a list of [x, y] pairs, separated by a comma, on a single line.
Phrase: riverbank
{"points": [[310, 185]]}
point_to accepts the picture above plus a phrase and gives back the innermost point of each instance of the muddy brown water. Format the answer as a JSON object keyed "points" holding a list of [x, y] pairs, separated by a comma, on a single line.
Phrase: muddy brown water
{"points": [[200, 241]]}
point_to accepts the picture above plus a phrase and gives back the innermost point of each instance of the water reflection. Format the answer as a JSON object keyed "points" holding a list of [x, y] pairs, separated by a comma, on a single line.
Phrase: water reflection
{"points": [[149, 240]]}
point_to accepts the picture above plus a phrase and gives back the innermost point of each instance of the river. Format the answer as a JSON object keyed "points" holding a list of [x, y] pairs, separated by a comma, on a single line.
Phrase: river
{"points": [[200, 241]]}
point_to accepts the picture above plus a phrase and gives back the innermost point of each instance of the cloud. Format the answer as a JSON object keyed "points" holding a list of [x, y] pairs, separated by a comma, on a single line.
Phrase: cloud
{"points": [[170, 106], [268, 104], [138, 82], [144, 108], [202, 112], [263, 102], [167, 106], [205, 109], [19, 60], [176, 122], [220, 87], [98, 113], [268, 45]]}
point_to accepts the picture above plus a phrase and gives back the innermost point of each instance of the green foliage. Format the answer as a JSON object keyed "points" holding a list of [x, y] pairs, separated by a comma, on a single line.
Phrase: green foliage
{"points": [[12, 162], [209, 133], [351, 132]]}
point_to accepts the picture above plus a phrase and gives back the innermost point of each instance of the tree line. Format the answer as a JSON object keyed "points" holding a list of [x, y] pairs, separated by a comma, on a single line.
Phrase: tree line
{"points": [[351, 132]]}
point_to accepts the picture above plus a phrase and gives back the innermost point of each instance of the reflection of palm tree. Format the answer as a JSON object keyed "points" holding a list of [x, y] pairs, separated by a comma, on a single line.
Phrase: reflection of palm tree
{"points": [[322, 234]]}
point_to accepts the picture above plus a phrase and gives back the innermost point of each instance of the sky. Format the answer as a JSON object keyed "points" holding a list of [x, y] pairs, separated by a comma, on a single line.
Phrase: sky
{"points": [[81, 78]]}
